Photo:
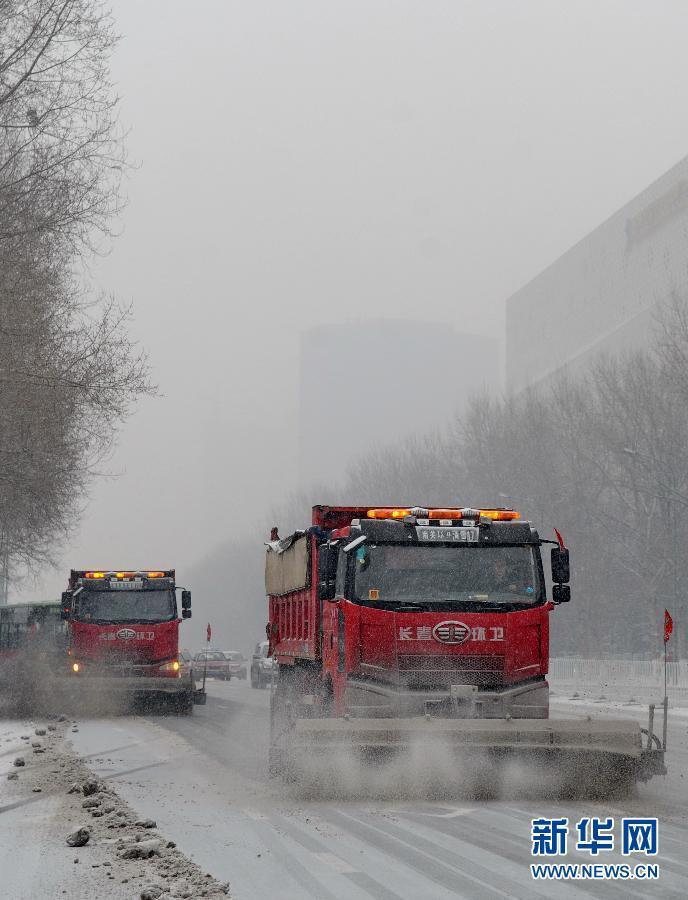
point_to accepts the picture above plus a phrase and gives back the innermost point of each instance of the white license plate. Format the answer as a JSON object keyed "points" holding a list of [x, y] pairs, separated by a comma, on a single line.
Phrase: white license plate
{"points": [[448, 535]]}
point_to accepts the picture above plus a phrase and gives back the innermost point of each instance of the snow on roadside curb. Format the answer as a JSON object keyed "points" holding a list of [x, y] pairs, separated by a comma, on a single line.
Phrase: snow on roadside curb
{"points": [[111, 851], [627, 699]]}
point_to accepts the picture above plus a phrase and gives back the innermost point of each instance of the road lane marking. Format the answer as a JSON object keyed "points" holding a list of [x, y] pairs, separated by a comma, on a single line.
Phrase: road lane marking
{"points": [[252, 814], [340, 865], [460, 811], [433, 862], [300, 831], [14, 749], [152, 765], [111, 750], [289, 863], [19, 803]]}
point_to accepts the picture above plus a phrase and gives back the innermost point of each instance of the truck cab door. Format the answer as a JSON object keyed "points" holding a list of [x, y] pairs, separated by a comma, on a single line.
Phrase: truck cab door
{"points": [[333, 623]]}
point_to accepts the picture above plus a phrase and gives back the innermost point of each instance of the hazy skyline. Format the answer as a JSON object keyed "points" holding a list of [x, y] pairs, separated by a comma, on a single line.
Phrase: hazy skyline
{"points": [[310, 163]]}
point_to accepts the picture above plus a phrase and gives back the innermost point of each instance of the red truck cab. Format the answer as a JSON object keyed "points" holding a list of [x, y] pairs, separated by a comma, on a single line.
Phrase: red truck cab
{"points": [[406, 611], [407, 627], [124, 634]]}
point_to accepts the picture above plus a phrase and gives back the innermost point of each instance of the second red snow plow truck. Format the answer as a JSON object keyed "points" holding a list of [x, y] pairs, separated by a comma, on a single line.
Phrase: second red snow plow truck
{"points": [[402, 626], [123, 638]]}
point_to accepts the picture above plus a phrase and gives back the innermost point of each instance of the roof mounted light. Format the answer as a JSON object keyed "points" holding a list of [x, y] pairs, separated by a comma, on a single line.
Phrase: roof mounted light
{"points": [[445, 514], [388, 513], [494, 515], [419, 512], [124, 577], [500, 515]]}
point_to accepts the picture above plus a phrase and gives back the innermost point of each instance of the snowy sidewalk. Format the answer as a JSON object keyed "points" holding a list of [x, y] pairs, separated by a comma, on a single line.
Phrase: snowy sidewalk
{"points": [[47, 793]]}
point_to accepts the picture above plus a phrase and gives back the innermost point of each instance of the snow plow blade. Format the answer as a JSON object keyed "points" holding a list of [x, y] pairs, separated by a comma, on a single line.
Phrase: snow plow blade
{"points": [[610, 742]]}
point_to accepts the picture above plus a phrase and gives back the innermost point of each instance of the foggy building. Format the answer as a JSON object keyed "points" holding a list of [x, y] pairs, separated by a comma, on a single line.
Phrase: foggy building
{"points": [[601, 294], [369, 383]]}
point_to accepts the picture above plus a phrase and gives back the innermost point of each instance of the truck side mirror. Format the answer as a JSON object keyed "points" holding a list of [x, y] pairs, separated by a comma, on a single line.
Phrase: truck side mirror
{"points": [[561, 572], [186, 613], [66, 610], [327, 572], [186, 601], [561, 593]]}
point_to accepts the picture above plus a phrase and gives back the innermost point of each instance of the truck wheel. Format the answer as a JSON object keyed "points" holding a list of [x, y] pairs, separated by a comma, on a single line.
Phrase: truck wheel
{"points": [[280, 759], [279, 765]]}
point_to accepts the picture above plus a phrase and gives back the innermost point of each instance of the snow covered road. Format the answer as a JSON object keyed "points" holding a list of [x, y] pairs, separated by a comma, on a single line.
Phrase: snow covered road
{"points": [[203, 780]]}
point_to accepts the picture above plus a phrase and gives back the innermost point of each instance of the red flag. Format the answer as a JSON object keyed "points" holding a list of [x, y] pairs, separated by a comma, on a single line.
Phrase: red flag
{"points": [[668, 625], [208, 632]]}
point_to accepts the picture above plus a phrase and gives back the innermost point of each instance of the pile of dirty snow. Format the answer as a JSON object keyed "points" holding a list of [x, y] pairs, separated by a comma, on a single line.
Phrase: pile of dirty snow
{"points": [[91, 827]]}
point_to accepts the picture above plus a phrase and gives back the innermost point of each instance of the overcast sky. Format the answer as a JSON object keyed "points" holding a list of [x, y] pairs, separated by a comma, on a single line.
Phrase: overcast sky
{"points": [[308, 162]]}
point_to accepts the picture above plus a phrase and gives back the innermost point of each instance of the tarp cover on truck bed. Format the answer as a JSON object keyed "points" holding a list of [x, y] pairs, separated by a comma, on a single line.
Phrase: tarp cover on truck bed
{"points": [[287, 565]]}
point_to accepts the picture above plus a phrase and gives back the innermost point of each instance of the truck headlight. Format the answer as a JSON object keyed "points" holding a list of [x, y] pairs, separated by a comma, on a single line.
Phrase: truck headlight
{"points": [[172, 666], [75, 667]]}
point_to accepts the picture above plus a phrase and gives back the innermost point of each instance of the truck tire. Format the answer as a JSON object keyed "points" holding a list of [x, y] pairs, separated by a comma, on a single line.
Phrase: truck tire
{"points": [[280, 760], [280, 765]]}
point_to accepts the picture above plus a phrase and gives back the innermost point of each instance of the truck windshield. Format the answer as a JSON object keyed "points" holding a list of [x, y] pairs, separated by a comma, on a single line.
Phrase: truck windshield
{"points": [[439, 576], [125, 606]]}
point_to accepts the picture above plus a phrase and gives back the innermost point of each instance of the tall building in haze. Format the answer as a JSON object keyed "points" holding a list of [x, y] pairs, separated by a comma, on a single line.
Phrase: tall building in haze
{"points": [[373, 382], [601, 295]]}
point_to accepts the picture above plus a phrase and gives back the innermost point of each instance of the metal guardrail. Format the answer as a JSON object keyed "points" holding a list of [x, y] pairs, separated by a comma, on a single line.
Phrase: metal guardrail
{"points": [[640, 673]]}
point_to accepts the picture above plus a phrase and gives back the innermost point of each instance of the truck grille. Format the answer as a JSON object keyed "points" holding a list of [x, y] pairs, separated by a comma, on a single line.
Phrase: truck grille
{"points": [[123, 671], [438, 671]]}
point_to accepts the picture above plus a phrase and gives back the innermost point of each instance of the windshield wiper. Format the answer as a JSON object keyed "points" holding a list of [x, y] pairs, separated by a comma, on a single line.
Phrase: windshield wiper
{"points": [[148, 621], [132, 621], [402, 604]]}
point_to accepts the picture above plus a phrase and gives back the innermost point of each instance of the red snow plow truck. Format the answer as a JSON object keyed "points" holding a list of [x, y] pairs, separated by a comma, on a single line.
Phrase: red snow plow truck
{"points": [[403, 627], [123, 638]]}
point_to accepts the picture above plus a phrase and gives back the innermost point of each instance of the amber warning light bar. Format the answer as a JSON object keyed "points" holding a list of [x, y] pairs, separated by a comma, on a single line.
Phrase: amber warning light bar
{"points": [[125, 575], [418, 512]]}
